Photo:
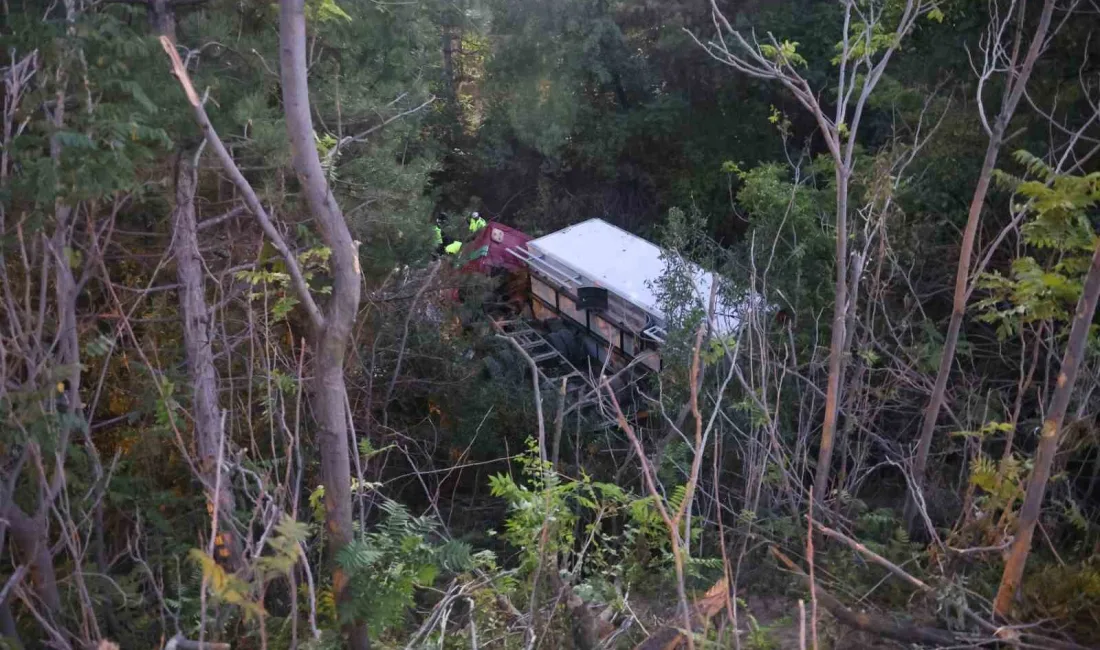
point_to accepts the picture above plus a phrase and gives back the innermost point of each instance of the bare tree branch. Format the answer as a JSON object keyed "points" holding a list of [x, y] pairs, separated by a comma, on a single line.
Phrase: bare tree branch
{"points": [[297, 280]]}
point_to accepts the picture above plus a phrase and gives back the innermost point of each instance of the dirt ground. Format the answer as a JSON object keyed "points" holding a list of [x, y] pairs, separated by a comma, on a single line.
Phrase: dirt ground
{"points": [[774, 625]]}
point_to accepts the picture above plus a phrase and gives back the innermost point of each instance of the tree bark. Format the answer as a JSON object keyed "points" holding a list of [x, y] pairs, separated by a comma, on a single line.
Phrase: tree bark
{"points": [[298, 282], [200, 358], [330, 338], [8, 631], [31, 532], [30, 535], [837, 350], [958, 310], [330, 332], [868, 622], [447, 41], [1014, 90], [1048, 441], [162, 17]]}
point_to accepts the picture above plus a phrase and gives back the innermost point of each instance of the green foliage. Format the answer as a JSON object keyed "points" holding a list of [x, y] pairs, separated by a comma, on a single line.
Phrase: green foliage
{"points": [[367, 450], [790, 239], [864, 42], [286, 548], [759, 636], [323, 11], [881, 530], [783, 54], [1069, 593], [241, 589], [1046, 286], [1002, 483], [574, 516], [545, 500], [387, 565], [565, 110], [986, 431], [676, 290], [271, 275], [589, 108], [225, 587]]}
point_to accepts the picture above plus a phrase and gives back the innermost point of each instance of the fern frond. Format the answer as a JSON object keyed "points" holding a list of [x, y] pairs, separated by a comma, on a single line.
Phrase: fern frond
{"points": [[455, 555], [1034, 165], [358, 556]]}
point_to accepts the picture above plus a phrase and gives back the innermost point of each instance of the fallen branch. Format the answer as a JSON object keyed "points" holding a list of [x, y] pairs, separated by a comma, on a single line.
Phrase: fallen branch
{"points": [[874, 557], [362, 136], [1003, 632], [868, 622], [706, 608]]}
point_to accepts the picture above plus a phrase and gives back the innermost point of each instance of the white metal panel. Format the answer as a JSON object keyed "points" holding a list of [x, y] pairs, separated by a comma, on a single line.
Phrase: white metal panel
{"points": [[625, 264]]}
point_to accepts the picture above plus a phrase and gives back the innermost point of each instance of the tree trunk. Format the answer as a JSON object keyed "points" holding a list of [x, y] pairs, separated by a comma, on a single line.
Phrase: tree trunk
{"points": [[1048, 441], [200, 358], [331, 336], [162, 18], [958, 310], [8, 631], [1013, 92], [447, 45], [30, 533], [31, 537], [837, 351]]}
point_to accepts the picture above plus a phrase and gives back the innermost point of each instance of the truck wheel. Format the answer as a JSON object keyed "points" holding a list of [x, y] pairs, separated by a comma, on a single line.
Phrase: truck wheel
{"points": [[565, 342]]}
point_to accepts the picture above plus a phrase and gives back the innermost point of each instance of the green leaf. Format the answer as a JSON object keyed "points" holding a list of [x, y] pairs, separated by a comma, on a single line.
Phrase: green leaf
{"points": [[73, 140], [324, 11]]}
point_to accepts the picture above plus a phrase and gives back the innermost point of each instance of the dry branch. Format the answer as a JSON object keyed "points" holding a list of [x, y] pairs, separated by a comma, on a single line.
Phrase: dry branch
{"points": [[874, 557], [705, 609], [297, 280], [873, 623]]}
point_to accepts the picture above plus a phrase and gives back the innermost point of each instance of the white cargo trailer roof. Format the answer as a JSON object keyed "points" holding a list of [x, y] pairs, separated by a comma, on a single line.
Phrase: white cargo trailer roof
{"points": [[625, 264]]}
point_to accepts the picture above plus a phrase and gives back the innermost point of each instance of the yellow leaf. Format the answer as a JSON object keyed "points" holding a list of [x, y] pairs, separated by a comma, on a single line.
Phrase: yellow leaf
{"points": [[214, 574]]}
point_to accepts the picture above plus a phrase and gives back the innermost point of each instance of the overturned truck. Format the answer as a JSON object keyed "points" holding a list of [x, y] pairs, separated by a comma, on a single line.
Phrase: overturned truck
{"points": [[603, 280], [581, 304]]}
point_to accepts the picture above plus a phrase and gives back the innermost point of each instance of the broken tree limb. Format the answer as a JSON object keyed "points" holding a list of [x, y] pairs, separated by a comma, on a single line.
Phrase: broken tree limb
{"points": [[874, 557], [706, 608], [868, 622], [297, 279], [585, 626], [975, 618]]}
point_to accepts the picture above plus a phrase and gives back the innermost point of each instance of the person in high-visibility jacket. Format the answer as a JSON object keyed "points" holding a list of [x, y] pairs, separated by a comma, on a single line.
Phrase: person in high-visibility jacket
{"points": [[453, 248], [477, 223]]}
